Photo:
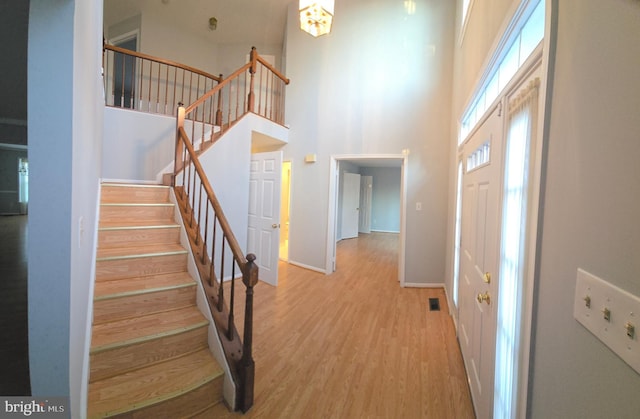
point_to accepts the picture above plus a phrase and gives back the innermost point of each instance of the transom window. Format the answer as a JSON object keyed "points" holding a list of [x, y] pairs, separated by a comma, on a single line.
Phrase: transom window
{"points": [[522, 42]]}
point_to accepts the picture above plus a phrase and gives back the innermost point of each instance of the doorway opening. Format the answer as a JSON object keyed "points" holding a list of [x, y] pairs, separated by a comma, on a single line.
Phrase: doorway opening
{"points": [[123, 84], [347, 222], [285, 199]]}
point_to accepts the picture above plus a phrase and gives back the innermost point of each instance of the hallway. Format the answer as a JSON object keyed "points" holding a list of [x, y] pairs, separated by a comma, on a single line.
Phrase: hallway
{"points": [[14, 352], [354, 344]]}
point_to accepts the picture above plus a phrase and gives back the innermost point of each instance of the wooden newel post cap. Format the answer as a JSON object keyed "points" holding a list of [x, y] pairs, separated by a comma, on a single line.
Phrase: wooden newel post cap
{"points": [[180, 104], [251, 279]]}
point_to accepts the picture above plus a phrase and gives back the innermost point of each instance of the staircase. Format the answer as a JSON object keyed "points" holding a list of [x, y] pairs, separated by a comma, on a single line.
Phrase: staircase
{"points": [[149, 353]]}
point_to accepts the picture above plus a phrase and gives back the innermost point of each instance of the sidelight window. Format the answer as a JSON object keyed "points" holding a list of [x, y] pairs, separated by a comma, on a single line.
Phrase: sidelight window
{"points": [[520, 131]]}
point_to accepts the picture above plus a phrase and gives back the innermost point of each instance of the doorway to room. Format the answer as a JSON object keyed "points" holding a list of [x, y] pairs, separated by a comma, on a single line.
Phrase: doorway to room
{"points": [[352, 208], [285, 199], [123, 86]]}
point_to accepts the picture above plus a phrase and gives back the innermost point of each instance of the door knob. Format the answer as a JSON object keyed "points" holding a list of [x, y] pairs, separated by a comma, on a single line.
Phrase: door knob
{"points": [[484, 298], [275, 225], [486, 277]]}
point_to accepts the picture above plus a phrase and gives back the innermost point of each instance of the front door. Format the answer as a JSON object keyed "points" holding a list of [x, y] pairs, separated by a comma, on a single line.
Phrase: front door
{"points": [[482, 158], [263, 237]]}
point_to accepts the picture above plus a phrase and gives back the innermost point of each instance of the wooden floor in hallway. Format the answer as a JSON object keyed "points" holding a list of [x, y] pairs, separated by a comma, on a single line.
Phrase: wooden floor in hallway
{"points": [[354, 344], [14, 349]]}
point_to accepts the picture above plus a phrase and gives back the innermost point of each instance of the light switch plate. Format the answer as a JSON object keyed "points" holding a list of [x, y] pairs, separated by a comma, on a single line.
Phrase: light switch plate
{"points": [[595, 300]]}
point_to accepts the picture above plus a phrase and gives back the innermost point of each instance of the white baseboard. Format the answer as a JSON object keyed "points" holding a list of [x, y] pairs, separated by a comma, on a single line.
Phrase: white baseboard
{"points": [[384, 231], [423, 285], [311, 268]]}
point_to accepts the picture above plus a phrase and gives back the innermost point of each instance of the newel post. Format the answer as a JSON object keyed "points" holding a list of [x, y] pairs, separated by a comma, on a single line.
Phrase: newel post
{"points": [[253, 58], [247, 365], [178, 163]]}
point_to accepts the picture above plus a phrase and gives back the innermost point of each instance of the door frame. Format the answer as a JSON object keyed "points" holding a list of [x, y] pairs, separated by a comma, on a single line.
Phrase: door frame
{"points": [[332, 222]]}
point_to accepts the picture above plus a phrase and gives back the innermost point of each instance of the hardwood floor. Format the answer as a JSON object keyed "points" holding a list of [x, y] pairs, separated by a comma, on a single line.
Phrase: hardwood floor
{"points": [[14, 349], [354, 344], [349, 345]]}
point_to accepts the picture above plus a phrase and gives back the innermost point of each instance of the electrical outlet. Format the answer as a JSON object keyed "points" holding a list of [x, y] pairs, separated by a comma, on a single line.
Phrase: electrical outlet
{"points": [[611, 314]]}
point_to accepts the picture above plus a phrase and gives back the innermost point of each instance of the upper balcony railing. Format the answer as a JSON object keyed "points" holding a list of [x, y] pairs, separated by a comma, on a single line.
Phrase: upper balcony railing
{"points": [[256, 87], [138, 81]]}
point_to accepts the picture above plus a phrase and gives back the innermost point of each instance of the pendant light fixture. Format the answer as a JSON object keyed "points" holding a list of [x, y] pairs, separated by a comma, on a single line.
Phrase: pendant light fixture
{"points": [[316, 16]]}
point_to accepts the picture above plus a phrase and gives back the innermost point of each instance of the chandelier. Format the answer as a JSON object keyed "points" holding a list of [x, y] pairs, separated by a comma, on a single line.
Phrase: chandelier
{"points": [[316, 16]]}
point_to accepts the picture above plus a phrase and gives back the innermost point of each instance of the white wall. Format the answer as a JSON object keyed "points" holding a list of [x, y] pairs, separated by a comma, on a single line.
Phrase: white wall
{"points": [[378, 84], [137, 145], [65, 140], [227, 165], [161, 38], [591, 208], [123, 27], [385, 200], [87, 155]]}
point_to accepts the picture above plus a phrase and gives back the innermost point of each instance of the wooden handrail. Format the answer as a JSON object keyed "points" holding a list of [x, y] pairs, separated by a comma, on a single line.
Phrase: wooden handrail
{"points": [[142, 82], [216, 89], [161, 61], [273, 70], [216, 111], [238, 353], [224, 223]]}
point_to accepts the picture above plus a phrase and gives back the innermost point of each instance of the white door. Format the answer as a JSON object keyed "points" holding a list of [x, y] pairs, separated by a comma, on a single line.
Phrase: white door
{"points": [[350, 205], [366, 192], [478, 287], [264, 213]]}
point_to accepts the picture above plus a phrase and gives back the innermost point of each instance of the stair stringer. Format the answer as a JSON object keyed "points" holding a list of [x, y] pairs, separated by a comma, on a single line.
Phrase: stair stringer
{"points": [[229, 388]]}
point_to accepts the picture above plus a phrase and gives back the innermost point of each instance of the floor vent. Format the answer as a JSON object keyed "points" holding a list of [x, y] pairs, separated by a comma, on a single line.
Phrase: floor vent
{"points": [[434, 304]]}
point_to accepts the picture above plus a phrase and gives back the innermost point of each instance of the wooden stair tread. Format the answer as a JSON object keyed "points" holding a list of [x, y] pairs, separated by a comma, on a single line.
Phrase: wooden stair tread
{"points": [[137, 204], [134, 185], [139, 329], [147, 386], [139, 251], [140, 285], [149, 351], [123, 225]]}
